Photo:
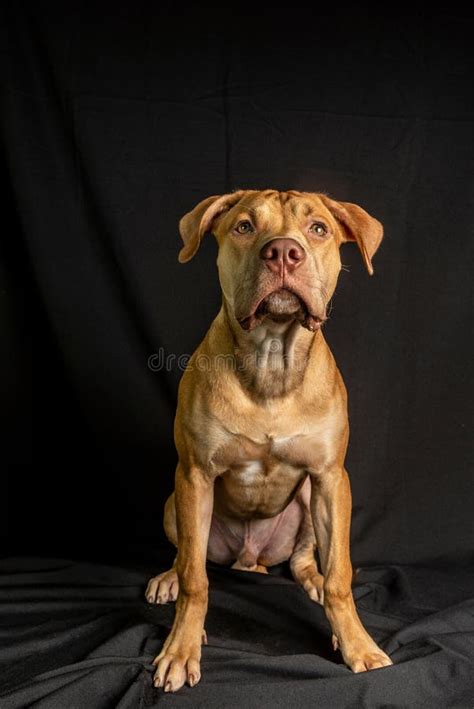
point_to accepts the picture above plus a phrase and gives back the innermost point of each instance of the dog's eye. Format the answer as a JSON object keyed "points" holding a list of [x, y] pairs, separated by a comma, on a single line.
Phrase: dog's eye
{"points": [[244, 227], [319, 228]]}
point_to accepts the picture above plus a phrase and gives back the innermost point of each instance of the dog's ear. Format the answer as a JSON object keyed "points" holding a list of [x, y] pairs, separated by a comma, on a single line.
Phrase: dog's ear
{"points": [[199, 221], [357, 225]]}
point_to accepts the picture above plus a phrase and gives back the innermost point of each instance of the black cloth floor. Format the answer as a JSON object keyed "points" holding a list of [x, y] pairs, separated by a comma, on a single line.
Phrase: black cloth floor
{"points": [[80, 634]]}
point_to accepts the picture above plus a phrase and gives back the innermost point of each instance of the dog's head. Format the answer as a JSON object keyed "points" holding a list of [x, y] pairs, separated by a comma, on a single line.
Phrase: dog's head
{"points": [[279, 251]]}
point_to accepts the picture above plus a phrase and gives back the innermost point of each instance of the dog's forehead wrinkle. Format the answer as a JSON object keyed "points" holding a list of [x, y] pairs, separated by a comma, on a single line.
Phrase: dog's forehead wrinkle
{"points": [[260, 210], [246, 208], [304, 202]]}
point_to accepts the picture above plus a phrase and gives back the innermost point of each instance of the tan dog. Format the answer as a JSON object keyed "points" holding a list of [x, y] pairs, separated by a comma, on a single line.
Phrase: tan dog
{"points": [[261, 427]]}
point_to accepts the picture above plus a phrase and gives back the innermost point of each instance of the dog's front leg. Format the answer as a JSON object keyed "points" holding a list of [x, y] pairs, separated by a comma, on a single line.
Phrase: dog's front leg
{"points": [[179, 660], [331, 513]]}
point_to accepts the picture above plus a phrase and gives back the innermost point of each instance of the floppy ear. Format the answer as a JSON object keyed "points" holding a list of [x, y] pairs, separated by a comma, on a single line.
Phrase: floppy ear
{"points": [[357, 225], [198, 222]]}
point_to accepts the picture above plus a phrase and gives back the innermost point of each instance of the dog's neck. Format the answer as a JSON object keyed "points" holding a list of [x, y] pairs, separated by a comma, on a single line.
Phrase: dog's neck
{"points": [[271, 359]]}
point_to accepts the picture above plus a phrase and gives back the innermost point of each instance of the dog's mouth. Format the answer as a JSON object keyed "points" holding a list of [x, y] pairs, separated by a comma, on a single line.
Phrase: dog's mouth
{"points": [[282, 305]]}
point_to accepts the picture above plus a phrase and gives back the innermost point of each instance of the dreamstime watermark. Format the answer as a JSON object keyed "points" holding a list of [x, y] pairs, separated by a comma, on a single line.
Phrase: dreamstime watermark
{"points": [[272, 354], [160, 361]]}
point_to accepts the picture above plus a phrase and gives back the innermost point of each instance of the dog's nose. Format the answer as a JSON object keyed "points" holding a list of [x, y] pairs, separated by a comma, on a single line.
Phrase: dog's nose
{"points": [[283, 255]]}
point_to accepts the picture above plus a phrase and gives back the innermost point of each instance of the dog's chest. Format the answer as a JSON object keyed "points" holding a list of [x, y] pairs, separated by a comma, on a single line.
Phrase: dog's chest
{"points": [[251, 472], [252, 462], [258, 479]]}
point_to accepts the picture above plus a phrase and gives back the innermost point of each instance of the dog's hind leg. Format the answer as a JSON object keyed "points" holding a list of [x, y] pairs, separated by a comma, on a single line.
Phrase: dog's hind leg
{"points": [[165, 586], [303, 563]]}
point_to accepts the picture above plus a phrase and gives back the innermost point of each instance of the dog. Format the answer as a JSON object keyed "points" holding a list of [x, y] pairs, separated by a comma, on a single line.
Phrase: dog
{"points": [[261, 427]]}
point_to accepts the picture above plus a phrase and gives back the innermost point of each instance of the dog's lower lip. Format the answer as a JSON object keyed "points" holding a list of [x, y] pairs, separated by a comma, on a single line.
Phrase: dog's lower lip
{"points": [[302, 314], [281, 302]]}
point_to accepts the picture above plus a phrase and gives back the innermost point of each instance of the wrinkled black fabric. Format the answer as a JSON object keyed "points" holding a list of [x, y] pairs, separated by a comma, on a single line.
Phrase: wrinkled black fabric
{"points": [[79, 634], [119, 117]]}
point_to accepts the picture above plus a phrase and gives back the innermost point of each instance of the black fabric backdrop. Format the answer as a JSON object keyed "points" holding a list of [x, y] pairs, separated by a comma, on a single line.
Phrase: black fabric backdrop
{"points": [[118, 118]]}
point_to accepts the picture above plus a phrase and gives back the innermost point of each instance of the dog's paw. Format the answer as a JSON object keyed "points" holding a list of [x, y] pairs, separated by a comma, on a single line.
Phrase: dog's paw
{"points": [[313, 583], [173, 670], [372, 659], [163, 588], [178, 662]]}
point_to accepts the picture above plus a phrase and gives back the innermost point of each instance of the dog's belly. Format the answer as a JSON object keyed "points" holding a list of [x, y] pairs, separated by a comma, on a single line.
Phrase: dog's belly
{"points": [[254, 541]]}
